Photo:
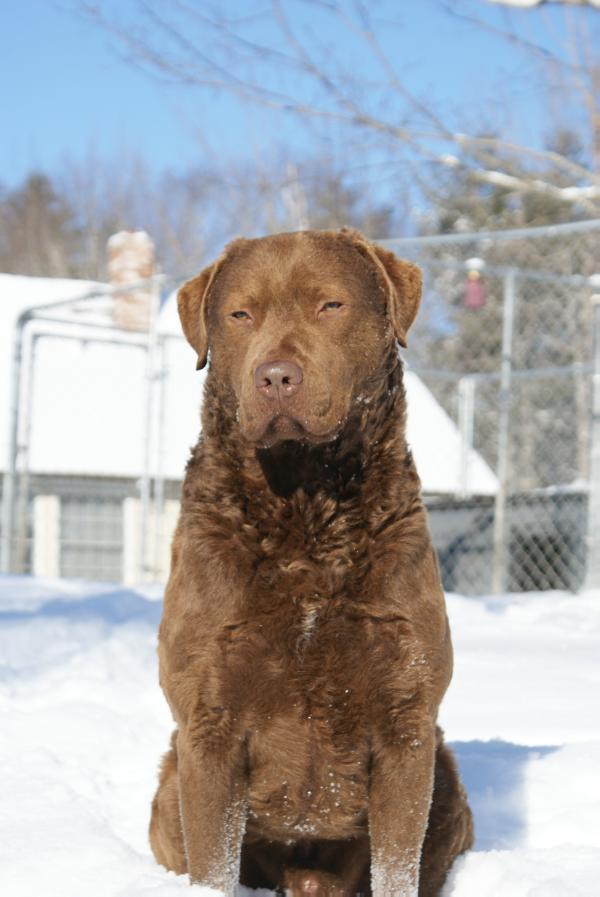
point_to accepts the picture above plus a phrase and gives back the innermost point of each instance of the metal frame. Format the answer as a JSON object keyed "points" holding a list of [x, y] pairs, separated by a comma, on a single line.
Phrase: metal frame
{"points": [[51, 316], [546, 230]]}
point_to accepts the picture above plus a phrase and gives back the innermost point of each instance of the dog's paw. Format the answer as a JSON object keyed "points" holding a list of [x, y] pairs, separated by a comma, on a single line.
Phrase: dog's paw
{"points": [[311, 883]]}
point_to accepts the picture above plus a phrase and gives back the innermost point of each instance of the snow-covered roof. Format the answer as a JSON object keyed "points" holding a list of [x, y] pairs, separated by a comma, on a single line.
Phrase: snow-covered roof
{"points": [[89, 401], [437, 446]]}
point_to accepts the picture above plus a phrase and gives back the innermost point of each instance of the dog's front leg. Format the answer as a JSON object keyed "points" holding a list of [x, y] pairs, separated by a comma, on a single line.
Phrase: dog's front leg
{"points": [[399, 800], [212, 798]]}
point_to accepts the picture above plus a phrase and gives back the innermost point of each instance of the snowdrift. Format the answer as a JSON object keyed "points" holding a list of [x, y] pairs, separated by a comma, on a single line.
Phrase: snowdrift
{"points": [[84, 726]]}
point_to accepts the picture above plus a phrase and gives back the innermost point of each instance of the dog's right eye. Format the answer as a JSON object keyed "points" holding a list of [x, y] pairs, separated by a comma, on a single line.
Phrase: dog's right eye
{"points": [[240, 315]]}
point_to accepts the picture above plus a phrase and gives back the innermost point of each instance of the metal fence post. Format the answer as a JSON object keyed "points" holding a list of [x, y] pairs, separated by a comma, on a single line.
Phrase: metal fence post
{"points": [[146, 566], [466, 414], [8, 483], [592, 577], [500, 536], [159, 477], [21, 518]]}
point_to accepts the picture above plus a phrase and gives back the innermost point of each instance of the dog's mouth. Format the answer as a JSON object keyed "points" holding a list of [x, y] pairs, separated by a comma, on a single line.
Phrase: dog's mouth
{"points": [[285, 427]]}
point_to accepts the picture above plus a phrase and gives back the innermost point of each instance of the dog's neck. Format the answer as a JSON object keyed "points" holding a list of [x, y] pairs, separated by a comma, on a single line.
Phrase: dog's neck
{"points": [[371, 449], [333, 468]]}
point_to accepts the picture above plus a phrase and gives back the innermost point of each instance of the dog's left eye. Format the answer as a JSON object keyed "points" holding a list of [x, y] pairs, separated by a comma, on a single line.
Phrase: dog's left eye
{"points": [[331, 306], [240, 315]]}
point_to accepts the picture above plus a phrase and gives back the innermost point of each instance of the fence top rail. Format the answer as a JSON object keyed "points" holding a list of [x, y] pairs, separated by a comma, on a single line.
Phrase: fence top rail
{"points": [[548, 230], [99, 291], [574, 280]]}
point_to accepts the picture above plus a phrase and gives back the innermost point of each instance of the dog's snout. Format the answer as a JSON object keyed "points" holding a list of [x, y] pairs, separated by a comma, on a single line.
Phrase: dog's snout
{"points": [[278, 379]]}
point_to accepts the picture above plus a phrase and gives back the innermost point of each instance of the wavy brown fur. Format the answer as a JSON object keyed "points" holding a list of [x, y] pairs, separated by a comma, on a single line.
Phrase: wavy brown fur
{"points": [[304, 651]]}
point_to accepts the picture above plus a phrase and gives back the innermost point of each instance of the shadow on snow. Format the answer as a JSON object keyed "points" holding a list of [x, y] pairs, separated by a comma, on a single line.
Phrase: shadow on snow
{"points": [[494, 775], [113, 607]]}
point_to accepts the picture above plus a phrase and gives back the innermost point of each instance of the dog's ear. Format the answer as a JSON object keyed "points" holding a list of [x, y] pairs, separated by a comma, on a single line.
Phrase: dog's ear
{"points": [[192, 304], [401, 281], [405, 294]]}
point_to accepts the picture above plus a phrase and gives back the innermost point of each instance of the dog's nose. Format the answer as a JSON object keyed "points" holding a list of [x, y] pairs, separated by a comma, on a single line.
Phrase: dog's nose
{"points": [[278, 379]]}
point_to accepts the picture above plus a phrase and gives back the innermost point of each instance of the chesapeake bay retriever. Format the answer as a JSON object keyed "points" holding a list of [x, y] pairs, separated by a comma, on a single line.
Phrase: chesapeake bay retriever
{"points": [[304, 647]]}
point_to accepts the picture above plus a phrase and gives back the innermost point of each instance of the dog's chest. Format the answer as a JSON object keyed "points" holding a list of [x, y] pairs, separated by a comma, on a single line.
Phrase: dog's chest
{"points": [[306, 653], [305, 635]]}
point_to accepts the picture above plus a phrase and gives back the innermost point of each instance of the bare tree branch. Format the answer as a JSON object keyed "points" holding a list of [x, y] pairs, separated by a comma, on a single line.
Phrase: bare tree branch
{"points": [[528, 4], [243, 66]]}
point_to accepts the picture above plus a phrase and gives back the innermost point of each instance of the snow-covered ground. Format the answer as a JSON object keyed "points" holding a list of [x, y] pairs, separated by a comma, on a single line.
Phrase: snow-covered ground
{"points": [[84, 724]]}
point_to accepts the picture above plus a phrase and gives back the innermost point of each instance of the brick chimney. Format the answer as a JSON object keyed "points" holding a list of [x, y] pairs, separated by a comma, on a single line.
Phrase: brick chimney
{"points": [[131, 258]]}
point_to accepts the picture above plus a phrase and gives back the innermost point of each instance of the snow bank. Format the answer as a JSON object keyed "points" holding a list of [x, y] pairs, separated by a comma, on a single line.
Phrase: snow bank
{"points": [[84, 725]]}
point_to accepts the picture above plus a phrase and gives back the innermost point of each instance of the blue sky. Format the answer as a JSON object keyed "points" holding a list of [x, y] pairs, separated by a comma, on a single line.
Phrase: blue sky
{"points": [[66, 91]]}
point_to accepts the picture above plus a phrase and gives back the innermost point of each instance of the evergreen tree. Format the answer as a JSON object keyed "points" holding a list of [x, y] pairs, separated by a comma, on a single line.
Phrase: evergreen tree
{"points": [[38, 234]]}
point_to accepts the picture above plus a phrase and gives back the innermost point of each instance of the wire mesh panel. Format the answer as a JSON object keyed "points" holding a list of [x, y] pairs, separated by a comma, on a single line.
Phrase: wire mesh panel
{"points": [[461, 530], [91, 538], [547, 541], [461, 330], [504, 343]]}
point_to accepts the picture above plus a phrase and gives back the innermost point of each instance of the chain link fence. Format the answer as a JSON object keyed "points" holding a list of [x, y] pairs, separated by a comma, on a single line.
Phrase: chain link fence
{"points": [[505, 344]]}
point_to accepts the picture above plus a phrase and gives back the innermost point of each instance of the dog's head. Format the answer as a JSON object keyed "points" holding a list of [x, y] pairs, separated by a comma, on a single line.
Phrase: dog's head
{"points": [[298, 326]]}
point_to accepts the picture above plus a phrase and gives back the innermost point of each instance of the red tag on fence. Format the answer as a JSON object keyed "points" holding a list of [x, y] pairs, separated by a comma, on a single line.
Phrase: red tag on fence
{"points": [[474, 290]]}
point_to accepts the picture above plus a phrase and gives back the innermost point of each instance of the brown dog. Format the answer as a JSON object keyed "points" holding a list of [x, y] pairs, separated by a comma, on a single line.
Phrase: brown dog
{"points": [[304, 647]]}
